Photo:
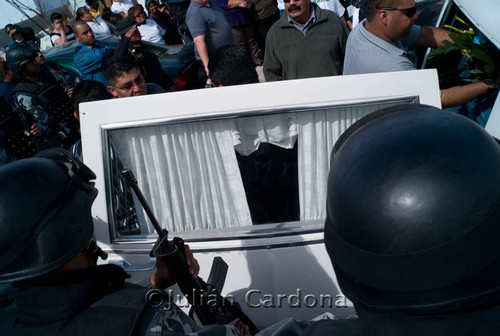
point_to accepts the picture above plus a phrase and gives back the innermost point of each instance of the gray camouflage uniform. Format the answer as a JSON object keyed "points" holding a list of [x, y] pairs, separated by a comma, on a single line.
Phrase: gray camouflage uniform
{"points": [[46, 120]]}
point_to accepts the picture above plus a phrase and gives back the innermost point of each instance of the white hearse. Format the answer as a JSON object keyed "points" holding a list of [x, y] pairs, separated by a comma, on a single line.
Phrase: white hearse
{"points": [[190, 152], [240, 172]]}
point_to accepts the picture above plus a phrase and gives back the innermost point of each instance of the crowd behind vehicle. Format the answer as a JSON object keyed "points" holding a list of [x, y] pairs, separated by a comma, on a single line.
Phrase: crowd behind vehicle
{"points": [[209, 43], [173, 43]]}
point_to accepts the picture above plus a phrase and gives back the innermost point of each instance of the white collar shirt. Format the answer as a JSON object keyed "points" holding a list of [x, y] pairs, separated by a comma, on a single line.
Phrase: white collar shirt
{"points": [[151, 32], [303, 28], [124, 6]]}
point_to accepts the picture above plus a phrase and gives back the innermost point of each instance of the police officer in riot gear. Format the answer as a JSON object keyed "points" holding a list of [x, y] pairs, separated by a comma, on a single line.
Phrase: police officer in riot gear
{"points": [[41, 98], [48, 253], [413, 223]]}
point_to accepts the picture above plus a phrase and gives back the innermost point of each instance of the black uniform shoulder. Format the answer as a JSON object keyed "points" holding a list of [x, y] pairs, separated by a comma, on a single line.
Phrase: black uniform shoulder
{"points": [[344, 327], [28, 87]]}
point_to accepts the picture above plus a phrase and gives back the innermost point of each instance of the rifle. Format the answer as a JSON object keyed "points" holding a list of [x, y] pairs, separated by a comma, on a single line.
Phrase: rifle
{"points": [[207, 303]]}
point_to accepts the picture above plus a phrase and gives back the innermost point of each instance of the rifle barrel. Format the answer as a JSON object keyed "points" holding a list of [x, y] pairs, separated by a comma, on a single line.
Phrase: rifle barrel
{"points": [[132, 181]]}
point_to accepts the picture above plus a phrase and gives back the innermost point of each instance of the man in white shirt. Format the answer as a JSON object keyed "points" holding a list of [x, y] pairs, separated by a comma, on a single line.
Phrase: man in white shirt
{"points": [[122, 6], [150, 30]]}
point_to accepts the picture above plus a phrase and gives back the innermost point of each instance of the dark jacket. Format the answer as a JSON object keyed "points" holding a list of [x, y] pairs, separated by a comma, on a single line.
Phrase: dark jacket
{"points": [[168, 23], [98, 301], [93, 301], [146, 61], [47, 104]]}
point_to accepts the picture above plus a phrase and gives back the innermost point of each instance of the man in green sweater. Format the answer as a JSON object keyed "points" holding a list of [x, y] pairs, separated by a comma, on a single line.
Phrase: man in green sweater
{"points": [[306, 42]]}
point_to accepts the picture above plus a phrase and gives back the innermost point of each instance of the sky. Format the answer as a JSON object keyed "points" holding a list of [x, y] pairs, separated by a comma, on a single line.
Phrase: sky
{"points": [[9, 14]]}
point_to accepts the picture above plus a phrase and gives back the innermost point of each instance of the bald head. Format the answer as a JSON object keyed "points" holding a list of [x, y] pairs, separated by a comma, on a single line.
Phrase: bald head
{"points": [[83, 33], [371, 7], [79, 24]]}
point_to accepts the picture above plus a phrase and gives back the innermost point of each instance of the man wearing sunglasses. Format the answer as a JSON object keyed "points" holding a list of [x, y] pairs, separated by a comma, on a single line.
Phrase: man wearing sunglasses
{"points": [[306, 42], [383, 43]]}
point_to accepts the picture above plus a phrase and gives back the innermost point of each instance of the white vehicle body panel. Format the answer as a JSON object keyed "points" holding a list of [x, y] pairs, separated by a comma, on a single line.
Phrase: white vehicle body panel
{"points": [[284, 266], [484, 15], [493, 125]]}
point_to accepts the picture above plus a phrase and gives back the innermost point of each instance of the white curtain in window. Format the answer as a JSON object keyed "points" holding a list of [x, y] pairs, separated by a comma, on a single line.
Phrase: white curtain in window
{"points": [[188, 172], [318, 133]]}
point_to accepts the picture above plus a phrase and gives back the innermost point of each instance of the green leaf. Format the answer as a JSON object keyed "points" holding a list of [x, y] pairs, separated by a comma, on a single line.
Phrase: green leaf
{"points": [[476, 72], [464, 42], [482, 55], [442, 50], [448, 43], [490, 69]]}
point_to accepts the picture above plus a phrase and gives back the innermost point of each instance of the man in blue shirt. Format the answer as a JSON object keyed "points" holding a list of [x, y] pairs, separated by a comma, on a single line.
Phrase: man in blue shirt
{"points": [[209, 29], [91, 54]]}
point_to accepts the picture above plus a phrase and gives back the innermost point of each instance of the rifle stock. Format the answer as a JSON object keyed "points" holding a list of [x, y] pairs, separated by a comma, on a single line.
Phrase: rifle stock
{"points": [[206, 301]]}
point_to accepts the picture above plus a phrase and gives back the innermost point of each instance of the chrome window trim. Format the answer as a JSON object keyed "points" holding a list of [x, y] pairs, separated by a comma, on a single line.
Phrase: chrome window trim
{"points": [[98, 118], [412, 99], [106, 129], [272, 230], [245, 244]]}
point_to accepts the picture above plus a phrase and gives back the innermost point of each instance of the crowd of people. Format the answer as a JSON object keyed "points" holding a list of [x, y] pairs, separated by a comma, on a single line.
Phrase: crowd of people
{"points": [[43, 98], [40, 121], [307, 41]]}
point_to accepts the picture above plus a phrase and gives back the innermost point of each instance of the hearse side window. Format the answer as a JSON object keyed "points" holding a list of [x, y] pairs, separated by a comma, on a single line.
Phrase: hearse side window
{"points": [[230, 173]]}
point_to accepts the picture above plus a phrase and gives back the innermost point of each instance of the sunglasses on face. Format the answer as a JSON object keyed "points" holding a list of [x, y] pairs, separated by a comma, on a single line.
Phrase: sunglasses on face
{"points": [[128, 86], [288, 1], [406, 11]]}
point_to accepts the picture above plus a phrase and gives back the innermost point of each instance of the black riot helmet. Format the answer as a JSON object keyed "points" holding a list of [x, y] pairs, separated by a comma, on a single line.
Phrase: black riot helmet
{"points": [[20, 54], [45, 217], [413, 215]]}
